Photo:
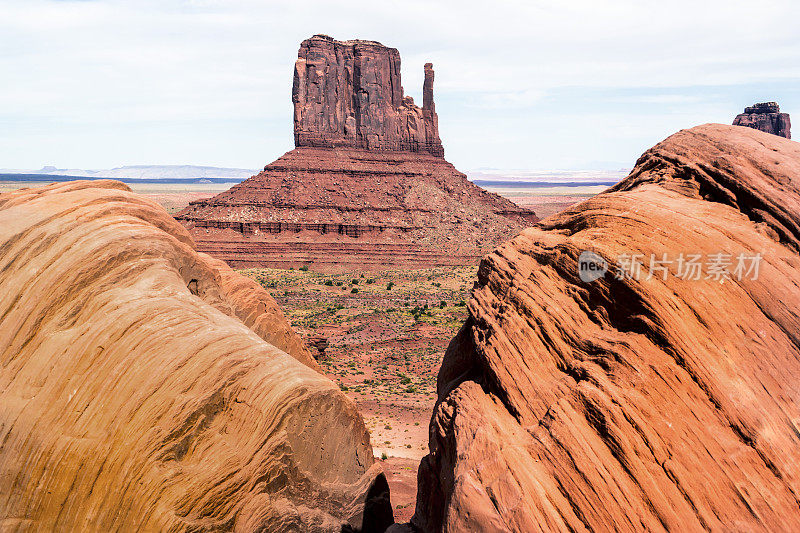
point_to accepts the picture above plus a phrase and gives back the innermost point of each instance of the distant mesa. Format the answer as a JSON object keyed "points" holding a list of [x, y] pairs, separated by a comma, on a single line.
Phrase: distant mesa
{"points": [[367, 185], [766, 117]]}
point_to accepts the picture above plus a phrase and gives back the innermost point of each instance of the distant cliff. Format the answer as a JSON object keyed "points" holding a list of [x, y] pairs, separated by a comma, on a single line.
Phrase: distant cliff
{"points": [[766, 117], [349, 94]]}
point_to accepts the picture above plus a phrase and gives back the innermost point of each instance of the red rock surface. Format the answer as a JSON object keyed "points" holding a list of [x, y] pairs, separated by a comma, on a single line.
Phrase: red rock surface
{"points": [[367, 186], [147, 387], [350, 94], [766, 117], [623, 404]]}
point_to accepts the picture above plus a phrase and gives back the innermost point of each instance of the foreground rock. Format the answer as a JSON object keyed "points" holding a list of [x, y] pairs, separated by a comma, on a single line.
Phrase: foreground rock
{"points": [[766, 117], [145, 386], [625, 404], [367, 186]]}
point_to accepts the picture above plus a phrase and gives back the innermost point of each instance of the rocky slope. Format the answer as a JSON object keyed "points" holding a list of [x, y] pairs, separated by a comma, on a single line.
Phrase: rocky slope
{"points": [[367, 186], [346, 209], [631, 404], [766, 117], [145, 386]]}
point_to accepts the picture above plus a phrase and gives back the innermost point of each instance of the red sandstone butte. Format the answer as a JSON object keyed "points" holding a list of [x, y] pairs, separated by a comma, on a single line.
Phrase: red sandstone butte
{"points": [[367, 185], [766, 117], [633, 405]]}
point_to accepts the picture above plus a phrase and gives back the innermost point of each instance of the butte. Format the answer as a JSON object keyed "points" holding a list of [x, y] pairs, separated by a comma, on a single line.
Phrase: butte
{"points": [[367, 186], [766, 117]]}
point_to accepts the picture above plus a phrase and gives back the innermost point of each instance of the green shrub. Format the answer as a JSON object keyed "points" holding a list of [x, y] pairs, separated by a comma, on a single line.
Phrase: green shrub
{"points": [[329, 283], [304, 268]]}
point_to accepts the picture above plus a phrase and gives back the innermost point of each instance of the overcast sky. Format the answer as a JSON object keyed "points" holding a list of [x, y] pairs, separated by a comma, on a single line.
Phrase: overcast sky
{"points": [[519, 84]]}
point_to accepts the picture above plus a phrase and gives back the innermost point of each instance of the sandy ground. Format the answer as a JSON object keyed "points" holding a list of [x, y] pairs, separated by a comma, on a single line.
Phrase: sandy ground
{"points": [[173, 196]]}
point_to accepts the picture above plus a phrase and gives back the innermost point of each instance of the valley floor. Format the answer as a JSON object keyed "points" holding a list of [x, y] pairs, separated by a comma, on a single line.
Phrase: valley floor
{"points": [[387, 333]]}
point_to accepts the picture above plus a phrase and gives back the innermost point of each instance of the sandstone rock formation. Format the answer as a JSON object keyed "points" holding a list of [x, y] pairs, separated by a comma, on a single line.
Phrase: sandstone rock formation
{"points": [[766, 117], [147, 387], [366, 187], [349, 94], [633, 404]]}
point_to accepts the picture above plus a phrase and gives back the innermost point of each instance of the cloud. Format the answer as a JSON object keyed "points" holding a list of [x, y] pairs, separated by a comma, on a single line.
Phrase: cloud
{"points": [[208, 81]]}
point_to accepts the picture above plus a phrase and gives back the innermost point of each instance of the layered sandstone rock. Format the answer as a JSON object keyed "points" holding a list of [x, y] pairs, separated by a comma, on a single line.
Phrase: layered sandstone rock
{"points": [[147, 387], [349, 94], [633, 404], [367, 186], [766, 117]]}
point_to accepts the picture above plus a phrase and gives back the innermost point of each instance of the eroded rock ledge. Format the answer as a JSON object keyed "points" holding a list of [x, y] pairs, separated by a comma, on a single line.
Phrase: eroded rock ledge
{"points": [[147, 387], [622, 404]]}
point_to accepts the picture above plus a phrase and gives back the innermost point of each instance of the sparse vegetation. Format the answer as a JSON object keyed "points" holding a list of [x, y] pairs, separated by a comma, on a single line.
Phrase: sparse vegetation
{"points": [[385, 346]]}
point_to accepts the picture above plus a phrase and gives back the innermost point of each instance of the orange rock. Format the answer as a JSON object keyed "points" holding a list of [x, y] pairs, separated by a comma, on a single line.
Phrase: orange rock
{"points": [[134, 396], [630, 405]]}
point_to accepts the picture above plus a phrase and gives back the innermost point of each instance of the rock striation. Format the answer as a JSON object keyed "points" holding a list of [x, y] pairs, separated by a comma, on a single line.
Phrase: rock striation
{"points": [[766, 117], [147, 387], [367, 186], [640, 403], [349, 94]]}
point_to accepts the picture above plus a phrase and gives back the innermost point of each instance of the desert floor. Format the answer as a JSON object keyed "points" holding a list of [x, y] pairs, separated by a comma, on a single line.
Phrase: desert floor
{"points": [[387, 333]]}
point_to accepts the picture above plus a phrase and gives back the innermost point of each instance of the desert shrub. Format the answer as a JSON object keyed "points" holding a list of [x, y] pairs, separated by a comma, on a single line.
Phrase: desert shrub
{"points": [[304, 268], [329, 283], [389, 286], [442, 304], [354, 290]]}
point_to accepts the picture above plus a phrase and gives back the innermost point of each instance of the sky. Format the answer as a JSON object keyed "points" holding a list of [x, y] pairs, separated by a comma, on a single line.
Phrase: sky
{"points": [[539, 85]]}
